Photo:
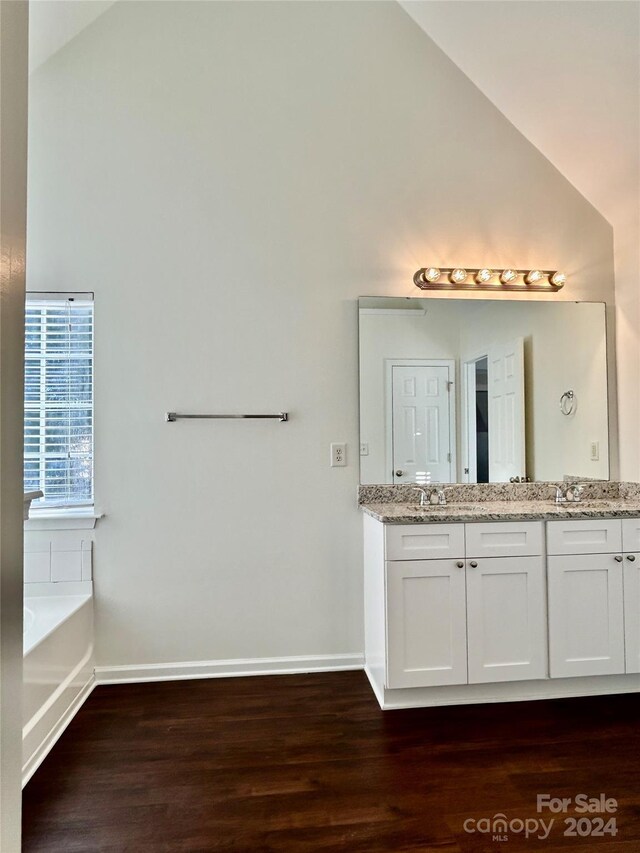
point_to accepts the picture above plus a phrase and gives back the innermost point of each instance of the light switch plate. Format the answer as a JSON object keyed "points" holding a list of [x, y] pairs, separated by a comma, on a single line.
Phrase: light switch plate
{"points": [[338, 455], [364, 448], [595, 451]]}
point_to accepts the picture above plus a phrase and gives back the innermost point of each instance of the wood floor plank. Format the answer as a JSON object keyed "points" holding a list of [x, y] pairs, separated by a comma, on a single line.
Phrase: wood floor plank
{"points": [[306, 763]]}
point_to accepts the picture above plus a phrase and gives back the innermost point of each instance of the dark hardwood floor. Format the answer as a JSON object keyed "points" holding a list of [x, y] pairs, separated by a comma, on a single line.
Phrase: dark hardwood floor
{"points": [[304, 763]]}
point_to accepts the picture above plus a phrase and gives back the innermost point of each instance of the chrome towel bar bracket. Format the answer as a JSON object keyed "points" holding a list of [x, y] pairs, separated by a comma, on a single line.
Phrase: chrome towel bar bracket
{"points": [[171, 417]]}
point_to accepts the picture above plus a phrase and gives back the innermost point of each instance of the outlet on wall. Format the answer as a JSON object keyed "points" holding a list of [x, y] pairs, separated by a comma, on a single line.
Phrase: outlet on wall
{"points": [[338, 455], [595, 451]]}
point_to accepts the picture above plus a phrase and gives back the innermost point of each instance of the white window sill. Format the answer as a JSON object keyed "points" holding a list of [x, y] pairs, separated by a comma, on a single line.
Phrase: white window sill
{"points": [[82, 518]]}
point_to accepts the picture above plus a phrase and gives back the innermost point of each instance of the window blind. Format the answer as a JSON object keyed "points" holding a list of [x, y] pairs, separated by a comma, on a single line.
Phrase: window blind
{"points": [[58, 407]]}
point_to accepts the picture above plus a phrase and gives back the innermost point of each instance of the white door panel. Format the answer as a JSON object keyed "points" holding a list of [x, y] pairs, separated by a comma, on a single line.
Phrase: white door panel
{"points": [[506, 411], [421, 423]]}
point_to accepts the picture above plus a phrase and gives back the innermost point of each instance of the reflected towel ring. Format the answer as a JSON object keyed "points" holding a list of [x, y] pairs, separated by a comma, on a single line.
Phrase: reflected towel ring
{"points": [[568, 403]]}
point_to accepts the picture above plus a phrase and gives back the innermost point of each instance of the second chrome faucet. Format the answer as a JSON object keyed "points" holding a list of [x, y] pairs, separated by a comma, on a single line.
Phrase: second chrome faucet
{"points": [[434, 496], [569, 493]]}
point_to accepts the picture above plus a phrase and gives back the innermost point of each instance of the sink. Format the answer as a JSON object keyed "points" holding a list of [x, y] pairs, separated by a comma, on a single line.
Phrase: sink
{"points": [[595, 504], [445, 507]]}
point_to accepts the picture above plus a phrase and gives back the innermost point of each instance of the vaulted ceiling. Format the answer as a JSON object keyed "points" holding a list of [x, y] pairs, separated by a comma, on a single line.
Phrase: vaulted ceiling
{"points": [[566, 73], [53, 23]]}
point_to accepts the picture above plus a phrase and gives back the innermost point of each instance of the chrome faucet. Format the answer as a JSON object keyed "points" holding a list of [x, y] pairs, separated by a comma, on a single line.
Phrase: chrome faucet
{"points": [[569, 493], [424, 500], [434, 496]]}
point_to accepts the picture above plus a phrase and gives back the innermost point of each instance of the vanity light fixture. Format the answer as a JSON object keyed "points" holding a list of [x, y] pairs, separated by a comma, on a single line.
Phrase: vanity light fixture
{"points": [[457, 278], [558, 279], [533, 276], [431, 274], [508, 276], [483, 276]]}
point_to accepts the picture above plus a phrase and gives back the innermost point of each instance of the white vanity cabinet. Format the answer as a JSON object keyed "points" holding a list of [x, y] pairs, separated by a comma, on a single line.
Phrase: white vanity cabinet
{"points": [[488, 611], [594, 597], [464, 603]]}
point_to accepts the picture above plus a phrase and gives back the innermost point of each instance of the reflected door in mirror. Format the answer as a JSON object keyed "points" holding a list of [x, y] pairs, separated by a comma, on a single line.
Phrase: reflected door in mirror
{"points": [[506, 411], [421, 427]]}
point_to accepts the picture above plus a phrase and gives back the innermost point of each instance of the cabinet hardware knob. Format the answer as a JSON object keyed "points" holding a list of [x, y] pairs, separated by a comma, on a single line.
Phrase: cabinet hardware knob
{"points": [[618, 558], [473, 564], [460, 564], [399, 473], [631, 557]]}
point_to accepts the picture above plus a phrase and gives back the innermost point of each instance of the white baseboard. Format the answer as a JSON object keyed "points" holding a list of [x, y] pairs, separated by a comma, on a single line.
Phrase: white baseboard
{"points": [[227, 668], [391, 699], [54, 735]]}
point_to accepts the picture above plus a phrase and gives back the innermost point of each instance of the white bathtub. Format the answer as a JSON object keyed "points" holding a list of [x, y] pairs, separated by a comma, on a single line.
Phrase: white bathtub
{"points": [[58, 670]]}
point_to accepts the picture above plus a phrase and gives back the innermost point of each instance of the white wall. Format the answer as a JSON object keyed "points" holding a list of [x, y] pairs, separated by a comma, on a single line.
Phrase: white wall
{"points": [[228, 178], [13, 177]]}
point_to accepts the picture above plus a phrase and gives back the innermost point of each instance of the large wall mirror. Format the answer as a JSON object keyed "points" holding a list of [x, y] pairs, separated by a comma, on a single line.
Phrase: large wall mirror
{"points": [[479, 391]]}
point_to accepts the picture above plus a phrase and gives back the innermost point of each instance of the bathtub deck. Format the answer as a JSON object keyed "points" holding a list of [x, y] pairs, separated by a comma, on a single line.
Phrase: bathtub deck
{"points": [[304, 763]]}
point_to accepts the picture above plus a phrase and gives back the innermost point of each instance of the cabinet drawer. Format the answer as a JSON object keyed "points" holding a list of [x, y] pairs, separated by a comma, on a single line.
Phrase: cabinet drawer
{"points": [[424, 541], [631, 534], [593, 536], [504, 539]]}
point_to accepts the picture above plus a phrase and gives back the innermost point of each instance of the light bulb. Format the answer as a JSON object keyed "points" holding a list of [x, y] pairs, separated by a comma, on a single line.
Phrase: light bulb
{"points": [[458, 276], [431, 274], [557, 279], [483, 276], [534, 276], [508, 276]]}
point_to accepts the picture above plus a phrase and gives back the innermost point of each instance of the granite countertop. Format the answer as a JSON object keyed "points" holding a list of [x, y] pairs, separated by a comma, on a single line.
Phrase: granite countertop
{"points": [[509, 510]]}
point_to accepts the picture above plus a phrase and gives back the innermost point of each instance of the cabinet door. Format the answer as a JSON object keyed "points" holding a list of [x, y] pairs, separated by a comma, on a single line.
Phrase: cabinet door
{"points": [[632, 611], [506, 619], [586, 630], [426, 623]]}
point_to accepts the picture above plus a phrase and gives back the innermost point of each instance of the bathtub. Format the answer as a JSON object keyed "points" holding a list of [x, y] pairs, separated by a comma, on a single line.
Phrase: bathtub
{"points": [[58, 670]]}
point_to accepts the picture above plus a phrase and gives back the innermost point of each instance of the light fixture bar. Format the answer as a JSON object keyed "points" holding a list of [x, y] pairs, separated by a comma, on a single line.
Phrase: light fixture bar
{"points": [[472, 278]]}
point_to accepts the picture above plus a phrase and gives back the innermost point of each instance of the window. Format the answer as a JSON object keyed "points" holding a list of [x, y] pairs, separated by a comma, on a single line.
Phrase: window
{"points": [[58, 407]]}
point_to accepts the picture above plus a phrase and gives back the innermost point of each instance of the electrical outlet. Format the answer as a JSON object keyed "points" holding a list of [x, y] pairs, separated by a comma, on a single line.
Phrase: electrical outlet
{"points": [[595, 451], [338, 455], [364, 448]]}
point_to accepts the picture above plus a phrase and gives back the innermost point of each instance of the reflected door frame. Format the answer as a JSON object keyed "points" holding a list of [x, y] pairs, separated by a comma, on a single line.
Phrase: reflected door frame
{"points": [[468, 402], [389, 364], [468, 415]]}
